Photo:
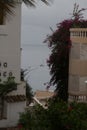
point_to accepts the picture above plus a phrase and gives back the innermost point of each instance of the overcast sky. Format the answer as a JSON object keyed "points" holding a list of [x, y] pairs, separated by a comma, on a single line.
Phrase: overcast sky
{"points": [[36, 22]]}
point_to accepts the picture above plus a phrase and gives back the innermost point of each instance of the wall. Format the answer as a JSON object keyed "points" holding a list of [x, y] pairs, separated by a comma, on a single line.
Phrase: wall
{"points": [[10, 55], [10, 45], [13, 114], [78, 61]]}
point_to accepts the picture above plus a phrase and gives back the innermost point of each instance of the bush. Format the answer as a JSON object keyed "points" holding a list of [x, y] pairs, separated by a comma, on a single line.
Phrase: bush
{"points": [[59, 116]]}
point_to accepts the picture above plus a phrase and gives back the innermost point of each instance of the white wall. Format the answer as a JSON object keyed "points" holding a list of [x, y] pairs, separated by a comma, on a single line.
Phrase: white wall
{"points": [[13, 114], [10, 53], [10, 45]]}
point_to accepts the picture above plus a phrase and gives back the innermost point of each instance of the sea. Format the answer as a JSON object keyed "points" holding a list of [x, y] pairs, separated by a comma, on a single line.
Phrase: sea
{"points": [[34, 63]]}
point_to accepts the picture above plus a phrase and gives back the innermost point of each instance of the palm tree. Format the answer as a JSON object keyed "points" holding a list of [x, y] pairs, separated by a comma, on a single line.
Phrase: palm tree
{"points": [[5, 88], [29, 93], [6, 7]]}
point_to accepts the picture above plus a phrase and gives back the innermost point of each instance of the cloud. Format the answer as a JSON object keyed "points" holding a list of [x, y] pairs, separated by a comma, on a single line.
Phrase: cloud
{"points": [[39, 19]]}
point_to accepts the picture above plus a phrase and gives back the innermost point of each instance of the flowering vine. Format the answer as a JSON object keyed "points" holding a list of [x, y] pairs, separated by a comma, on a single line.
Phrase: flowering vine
{"points": [[59, 43]]}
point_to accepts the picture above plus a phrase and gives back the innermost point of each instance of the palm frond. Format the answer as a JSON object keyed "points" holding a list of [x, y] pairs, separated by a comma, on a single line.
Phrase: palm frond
{"points": [[6, 9], [46, 1], [30, 3]]}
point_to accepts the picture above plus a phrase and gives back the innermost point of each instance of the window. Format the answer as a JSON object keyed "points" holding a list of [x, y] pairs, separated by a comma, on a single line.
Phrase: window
{"points": [[4, 74], [5, 64], [10, 74]]}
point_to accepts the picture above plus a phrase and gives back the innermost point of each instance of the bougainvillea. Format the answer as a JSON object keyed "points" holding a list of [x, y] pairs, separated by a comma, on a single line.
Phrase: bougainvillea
{"points": [[59, 43]]}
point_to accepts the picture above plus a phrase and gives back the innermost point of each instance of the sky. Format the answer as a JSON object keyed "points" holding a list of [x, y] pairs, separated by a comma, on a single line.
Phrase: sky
{"points": [[36, 22]]}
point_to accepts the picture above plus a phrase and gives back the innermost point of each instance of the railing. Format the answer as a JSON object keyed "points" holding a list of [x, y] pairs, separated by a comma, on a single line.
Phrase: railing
{"points": [[78, 97], [78, 35], [78, 32]]}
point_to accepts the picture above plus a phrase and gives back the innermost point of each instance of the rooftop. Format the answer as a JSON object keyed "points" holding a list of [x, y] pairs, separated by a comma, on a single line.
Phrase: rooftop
{"points": [[39, 94]]}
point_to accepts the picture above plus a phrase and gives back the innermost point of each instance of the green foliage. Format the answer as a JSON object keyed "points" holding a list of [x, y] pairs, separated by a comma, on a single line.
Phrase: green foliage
{"points": [[58, 116], [34, 118], [7, 86], [41, 119], [77, 13], [29, 93], [26, 120]]}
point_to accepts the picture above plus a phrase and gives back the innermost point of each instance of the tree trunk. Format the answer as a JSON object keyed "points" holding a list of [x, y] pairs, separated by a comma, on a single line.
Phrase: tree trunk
{"points": [[2, 107]]}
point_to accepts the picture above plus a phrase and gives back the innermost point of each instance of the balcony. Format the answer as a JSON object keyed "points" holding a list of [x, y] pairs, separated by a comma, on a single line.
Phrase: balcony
{"points": [[78, 35], [78, 96]]}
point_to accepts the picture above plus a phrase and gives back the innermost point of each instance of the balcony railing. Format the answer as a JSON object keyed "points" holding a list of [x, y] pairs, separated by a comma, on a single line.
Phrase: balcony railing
{"points": [[78, 97], [78, 35], [79, 32]]}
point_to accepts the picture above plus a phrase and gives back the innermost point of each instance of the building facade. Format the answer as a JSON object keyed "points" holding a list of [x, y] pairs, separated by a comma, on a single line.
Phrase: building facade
{"points": [[78, 65], [10, 65]]}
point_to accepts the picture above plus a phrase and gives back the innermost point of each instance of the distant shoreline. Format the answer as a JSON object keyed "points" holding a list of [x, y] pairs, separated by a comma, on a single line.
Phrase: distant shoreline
{"points": [[33, 44]]}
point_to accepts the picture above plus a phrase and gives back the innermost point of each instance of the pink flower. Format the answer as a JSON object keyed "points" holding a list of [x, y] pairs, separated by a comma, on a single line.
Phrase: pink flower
{"points": [[20, 126], [48, 86]]}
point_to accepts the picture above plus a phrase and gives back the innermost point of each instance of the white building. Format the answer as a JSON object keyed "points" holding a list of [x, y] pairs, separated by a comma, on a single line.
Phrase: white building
{"points": [[10, 55]]}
